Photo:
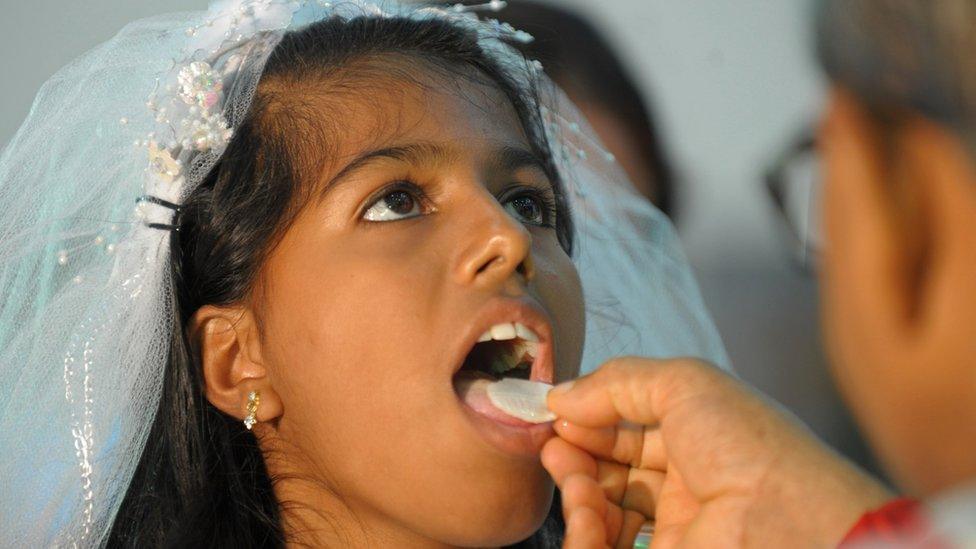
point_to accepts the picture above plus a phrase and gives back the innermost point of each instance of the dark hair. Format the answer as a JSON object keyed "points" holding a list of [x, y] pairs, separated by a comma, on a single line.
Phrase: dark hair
{"points": [[903, 56], [577, 57], [202, 480]]}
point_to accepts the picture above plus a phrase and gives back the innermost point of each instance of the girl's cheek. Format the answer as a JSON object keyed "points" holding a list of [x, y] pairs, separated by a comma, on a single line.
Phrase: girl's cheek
{"points": [[559, 288]]}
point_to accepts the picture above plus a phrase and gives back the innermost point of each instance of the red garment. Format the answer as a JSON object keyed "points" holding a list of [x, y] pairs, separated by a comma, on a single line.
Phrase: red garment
{"points": [[899, 523]]}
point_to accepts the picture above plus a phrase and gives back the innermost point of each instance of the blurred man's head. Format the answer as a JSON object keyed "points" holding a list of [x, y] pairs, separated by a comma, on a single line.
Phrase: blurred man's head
{"points": [[900, 218], [577, 57]]}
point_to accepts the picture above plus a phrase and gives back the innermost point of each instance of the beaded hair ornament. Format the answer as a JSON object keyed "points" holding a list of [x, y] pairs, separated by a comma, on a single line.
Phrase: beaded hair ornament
{"points": [[190, 106]]}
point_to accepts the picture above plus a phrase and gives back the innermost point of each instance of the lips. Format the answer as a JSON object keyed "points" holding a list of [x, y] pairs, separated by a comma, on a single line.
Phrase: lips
{"points": [[505, 332]]}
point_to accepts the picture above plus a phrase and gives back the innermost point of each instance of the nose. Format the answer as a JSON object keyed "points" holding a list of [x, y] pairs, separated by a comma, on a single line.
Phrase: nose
{"points": [[496, 247]]}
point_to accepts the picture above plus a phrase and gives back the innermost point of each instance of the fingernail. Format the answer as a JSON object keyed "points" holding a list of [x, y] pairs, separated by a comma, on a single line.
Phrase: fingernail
{"points": [[563, 387]]}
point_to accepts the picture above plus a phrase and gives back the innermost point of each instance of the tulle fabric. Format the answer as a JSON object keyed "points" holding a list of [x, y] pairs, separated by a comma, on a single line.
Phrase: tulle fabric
{"points": [[86, 314], [84, 320], [640, 295]]}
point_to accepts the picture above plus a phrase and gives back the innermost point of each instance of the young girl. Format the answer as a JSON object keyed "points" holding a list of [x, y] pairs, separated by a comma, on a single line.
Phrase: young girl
{"points": [[352, 218]]}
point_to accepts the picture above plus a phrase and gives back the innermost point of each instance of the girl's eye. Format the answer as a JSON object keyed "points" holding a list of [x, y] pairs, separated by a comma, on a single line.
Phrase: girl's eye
{"points": [[528, 209], [392, 206]]}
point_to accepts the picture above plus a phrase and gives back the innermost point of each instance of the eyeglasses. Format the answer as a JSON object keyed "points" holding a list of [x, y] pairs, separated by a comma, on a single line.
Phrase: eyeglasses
{"points": [[794, 185]]}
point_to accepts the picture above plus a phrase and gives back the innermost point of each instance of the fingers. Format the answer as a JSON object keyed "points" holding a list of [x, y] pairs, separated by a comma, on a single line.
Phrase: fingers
{"points": [[635, 445], [612, 477], [562, 459], [629, 528], [629, 488], [618, 527], [580, 491], [584, 530], [637, 390], [599, 441], [643, 491]]}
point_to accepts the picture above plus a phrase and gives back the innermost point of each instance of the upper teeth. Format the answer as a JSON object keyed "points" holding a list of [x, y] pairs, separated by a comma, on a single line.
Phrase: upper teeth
{"points": [[508, 330]]}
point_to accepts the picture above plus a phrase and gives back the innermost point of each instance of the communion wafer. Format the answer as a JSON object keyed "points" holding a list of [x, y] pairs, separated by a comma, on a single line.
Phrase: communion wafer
{"points": [[523, 399]]}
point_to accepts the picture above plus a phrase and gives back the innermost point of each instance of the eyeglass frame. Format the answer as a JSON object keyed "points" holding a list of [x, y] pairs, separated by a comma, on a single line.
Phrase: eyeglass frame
{"points": [[775, 178]]}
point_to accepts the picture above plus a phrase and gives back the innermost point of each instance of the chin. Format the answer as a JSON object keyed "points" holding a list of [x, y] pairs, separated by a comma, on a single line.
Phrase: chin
{"points": [[509, 516]]}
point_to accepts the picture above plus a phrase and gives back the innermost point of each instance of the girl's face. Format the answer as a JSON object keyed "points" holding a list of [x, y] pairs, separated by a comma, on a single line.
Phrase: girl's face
{"points": [[431, 225]]}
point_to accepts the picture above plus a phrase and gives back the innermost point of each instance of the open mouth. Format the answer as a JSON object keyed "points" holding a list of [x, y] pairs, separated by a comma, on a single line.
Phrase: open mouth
{"points": [[504, 350]]}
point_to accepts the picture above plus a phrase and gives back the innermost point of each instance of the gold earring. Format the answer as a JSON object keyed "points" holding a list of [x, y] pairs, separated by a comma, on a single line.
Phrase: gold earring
{"points": [[253, 400]]}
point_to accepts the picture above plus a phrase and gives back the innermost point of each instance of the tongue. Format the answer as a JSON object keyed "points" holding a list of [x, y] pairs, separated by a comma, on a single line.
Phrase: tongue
{"points": [[473, 389]]}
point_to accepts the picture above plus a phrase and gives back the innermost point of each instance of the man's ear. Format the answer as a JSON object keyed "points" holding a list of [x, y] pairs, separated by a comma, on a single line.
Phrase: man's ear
{"points": [[226, 340], [939, 180], [902, 210], [866, 254]]}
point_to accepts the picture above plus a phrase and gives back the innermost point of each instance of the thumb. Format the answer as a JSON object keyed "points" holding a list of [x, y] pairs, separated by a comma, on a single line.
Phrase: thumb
{"points": [[635, 389]]}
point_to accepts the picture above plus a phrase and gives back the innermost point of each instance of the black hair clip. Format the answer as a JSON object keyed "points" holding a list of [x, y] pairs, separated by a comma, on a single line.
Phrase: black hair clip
{"points": [[166, 204]]}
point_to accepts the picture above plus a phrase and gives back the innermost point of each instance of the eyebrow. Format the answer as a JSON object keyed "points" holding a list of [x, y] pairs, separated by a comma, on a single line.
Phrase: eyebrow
{"points": [[506, 158], [515, 158]]}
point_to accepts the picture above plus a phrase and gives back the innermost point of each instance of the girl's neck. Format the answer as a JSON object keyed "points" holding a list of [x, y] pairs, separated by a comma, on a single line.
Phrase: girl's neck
{"points": [[313, 515], [316, 514]]}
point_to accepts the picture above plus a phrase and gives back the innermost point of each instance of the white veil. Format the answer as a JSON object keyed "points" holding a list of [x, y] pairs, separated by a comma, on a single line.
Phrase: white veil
{"points": [[86, 308], [641, 297]]}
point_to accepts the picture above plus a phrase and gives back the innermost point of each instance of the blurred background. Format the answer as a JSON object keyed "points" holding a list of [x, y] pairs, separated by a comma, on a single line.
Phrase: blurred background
{"points": [[728, 84]]}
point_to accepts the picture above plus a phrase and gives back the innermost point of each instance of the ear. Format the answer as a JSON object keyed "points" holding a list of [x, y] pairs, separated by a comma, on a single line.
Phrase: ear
{"points": [[227, 342], [900, 224], [865, 261], [940, 180]]}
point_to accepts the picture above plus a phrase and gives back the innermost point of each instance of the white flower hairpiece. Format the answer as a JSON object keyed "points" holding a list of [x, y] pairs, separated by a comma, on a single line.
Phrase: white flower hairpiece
{"points": [[199, 85], [189, 105]]}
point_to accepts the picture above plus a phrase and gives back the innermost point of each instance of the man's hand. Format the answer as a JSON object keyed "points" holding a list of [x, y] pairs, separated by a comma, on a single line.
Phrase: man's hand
{"points": [[711, 462]]}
